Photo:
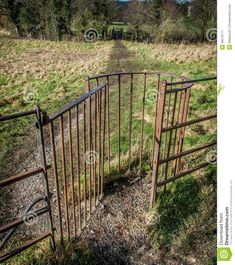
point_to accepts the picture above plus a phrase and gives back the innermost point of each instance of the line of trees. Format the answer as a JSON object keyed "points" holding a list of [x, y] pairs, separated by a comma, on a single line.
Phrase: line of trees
{"points": [[56, 19], [160, 20], [171, 20]]}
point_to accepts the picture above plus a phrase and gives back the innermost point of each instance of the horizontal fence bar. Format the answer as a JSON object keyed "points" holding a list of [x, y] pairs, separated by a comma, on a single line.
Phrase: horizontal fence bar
{"points": [[17, 115], [136, 73], [174, 90], [20, 221], [21, 176], [192, 81], [182, 174], [187, 123], [76, 102], [191, 151], [24, 247]]}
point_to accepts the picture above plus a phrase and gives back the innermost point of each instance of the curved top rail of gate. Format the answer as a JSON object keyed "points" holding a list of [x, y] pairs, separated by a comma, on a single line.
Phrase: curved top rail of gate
{"points": [[139, 73], [163, 76]]}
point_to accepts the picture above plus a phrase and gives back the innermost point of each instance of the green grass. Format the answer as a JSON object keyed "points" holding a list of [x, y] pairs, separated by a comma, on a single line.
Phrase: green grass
{"points": [[118, 26], [186, 223], [46, 73], [72, 253], [187, 60]]}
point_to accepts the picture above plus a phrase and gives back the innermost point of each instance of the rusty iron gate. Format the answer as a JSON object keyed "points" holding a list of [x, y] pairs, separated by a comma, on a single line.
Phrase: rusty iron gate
{"points": [[115, 128], [171, 125]]}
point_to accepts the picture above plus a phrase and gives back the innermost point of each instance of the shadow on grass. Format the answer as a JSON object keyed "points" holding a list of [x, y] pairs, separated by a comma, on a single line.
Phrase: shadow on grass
{"points": [[182, 201]]}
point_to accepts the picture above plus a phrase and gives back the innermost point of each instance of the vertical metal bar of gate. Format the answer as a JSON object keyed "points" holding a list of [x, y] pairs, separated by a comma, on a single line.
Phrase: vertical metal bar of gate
{"points": [[157, 146], [142, 122], [184, 115], [56, 179], [42, 153], [155, 116], [91, 180], [130, 122], [119, 122]]}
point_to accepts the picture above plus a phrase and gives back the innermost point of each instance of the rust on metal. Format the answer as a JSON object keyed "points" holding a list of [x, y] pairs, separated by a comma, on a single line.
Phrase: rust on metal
{"points": [[71, 171], [56, 179], [170, 158], [64, 174], [155, 116], [21, 176], [191, 122], [170, 137], [95, 147], [119, 122], [182, 129], [17, 115], [84, 161], [182, 173], [130, 124], [157, 147], [43, 161], [24, 247], [75, 103], [100, 141], [78, 168], [142, 121], [90, 148], [103, 140], [21, 220], [109, 139]]}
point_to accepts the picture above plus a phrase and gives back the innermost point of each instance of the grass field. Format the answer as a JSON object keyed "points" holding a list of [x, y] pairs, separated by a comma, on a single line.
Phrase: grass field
{"points": [[54, 72], [51, 74]]}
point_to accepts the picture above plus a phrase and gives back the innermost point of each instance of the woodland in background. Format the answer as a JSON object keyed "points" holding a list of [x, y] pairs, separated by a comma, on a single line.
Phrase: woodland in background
{"points": [[155, 20]]}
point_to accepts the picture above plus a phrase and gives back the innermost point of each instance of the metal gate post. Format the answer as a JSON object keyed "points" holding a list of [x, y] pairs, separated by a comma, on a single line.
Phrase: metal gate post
{"points": [[42, 153], [157, 145]]}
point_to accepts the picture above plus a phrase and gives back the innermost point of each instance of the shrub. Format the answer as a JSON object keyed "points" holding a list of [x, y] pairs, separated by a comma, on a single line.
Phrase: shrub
{"points": [[177, 30]]}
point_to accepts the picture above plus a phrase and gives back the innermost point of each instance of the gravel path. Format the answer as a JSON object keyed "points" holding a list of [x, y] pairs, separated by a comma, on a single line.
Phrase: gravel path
{"points": [[116, 233]]}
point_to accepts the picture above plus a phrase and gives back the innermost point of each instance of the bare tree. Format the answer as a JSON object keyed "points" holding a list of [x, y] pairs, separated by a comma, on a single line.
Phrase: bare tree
{"points": [[139, 14], [204, 15]]}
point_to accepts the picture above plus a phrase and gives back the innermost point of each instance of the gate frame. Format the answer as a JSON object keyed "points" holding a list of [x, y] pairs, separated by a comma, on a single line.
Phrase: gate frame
{"points": [[11, 227], [182, 126]]}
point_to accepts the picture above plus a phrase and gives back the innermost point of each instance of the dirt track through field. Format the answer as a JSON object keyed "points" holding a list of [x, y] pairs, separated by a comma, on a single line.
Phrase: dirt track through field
{"points": [[116, 233]]}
